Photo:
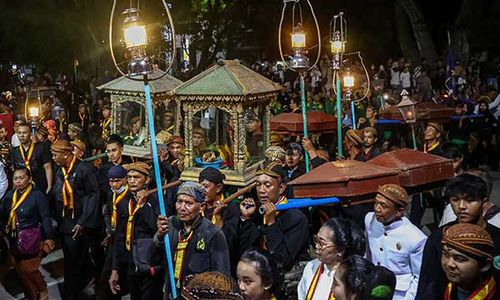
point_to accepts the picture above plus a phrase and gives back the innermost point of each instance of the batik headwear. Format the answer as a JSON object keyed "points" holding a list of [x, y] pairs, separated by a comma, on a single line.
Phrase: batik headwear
{"points": [[294, 147], [436, 126], [355, 137], [371, 130], [42, 131], [140, 167], [49, 124], [394, 193], [192, 189], [175, 139], [79, 144], [117, 172], [212, 175], [275, 153], [211, 286], [273, 169], [470, 239], [250, 115], [61, 146], [75, 127]]}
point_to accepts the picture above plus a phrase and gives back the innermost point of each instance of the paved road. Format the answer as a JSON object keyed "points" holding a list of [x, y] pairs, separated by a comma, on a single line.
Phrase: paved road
{"points": [[52, 265]]}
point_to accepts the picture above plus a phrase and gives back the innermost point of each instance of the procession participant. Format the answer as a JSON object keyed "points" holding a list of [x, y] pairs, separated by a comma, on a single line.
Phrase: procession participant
{"points": [[316, 157], [259, 276], [171, 164], [25, 216], [42, 137], [285, 234], [393, 241], [78, 148], [224, 216], [275, 153], [433, 135], [467, 262], [370, 119], [118, 196], [114, 150], [106, 123], [198, 141], [467, 194], [197, 245], [62, 122], [491, 212], [369, 150], [255, 137], [337, 239], [4, 148], [77, 212], [294, 161], [211, 285], [83, 117], [133, 239], [14, 141], [358, 279], [33, 157], [353, 142]]}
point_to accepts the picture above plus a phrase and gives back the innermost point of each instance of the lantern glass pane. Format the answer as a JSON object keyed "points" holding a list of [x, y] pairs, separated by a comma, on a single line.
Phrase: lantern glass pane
{"points": [[298, 40], [336, 47], [348, 81], [33, 111], [135, 36]]}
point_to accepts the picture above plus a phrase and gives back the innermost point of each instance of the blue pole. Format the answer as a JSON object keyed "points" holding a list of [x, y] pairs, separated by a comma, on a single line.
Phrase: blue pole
{"points": [[413, 136], [339, 119], [304, 115], [156, 165], [307, 202], [353, 115]]}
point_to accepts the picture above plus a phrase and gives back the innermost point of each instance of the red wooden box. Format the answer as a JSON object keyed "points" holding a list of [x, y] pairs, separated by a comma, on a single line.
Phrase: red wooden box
{"points": [[292, 123]]}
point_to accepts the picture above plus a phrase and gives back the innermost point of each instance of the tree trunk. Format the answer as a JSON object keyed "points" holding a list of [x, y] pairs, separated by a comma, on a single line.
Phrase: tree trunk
{"points": [[405, 35], [421, 33]]}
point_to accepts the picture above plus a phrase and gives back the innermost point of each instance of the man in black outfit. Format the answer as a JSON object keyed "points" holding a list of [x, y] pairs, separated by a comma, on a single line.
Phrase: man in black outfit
{"points": [[77, 211], [467, 195], [34, 157]]}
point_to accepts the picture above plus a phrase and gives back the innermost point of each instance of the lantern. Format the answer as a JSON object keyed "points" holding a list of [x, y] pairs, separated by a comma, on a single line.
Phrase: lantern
{"points": [[348, 80], [33, 112], [407, 109], [135, 36], [337, 46], [298, 38]]}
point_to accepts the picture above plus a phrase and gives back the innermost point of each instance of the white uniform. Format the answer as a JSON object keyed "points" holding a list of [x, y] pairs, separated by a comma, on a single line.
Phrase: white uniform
{"points": [[398, 247], [324, 284]]}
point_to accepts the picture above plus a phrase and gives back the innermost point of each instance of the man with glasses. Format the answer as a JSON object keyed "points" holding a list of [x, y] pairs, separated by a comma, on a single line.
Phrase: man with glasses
{"points": [[393, 241]]}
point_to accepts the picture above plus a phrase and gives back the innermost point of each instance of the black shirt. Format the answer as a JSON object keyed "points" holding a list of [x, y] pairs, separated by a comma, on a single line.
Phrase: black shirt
{"points": [[41, 156]]}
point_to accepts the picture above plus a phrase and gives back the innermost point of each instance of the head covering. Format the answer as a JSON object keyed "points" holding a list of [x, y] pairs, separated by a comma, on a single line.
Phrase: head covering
{"points": [[436, 126], [394, 193], [199, 131], [192, 189], [79, 144], [211, 286], [61, 146], [139, 166], [371, 129], [212, 175], [117, 172], [75, 127], [470, 239], [250, 115], [175, 139], [49, 124], [42, 130], [355, 136], [273, 169], [275, 153], [294, 146]]}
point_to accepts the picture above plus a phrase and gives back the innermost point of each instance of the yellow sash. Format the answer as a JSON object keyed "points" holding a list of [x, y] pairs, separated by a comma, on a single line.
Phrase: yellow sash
{"points": [[116, 201], [432, 147], [130, 222], [61, 125], [82, 118], [12, 223], [314, 284], [67, 189], [27, 158], [485, 292], [180, 255]]}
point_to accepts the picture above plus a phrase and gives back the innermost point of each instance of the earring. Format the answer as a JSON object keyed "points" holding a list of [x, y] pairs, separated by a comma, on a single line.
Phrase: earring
{"points": [[267, 288]]}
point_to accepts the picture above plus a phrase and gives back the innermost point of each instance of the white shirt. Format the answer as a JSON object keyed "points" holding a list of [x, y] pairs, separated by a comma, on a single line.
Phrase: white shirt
{"points": [[324, 284], [4, 182], [395, 77], [449, 216], [405, 78], [14, 141], [399, 247]]}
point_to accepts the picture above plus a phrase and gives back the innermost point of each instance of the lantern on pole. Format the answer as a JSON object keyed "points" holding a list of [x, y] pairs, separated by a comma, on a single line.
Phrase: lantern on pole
{"points": [[407, 109], [32, 109], [298, 60], [136, 41]]}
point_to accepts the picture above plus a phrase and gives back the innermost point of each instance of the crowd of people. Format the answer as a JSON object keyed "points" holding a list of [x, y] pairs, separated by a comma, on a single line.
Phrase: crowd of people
{"points": [[104, 212]]}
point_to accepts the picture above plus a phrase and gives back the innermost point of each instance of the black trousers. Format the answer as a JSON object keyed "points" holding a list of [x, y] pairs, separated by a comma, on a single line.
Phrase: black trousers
{"points": [[77, 264], [146, 287]]}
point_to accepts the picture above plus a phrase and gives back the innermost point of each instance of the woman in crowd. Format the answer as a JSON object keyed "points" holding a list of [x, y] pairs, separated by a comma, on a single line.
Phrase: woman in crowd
{"points": [[357, 278], [24, 213], [337, 239], [259, 276]]}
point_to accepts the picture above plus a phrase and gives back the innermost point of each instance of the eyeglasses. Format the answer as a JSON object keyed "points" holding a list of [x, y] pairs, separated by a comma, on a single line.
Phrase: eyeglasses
{"points": [[319, 244]]}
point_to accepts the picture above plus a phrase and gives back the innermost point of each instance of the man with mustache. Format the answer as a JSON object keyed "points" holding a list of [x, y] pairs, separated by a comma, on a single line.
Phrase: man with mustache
{"points": [[369, 150], [393, 241]]}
